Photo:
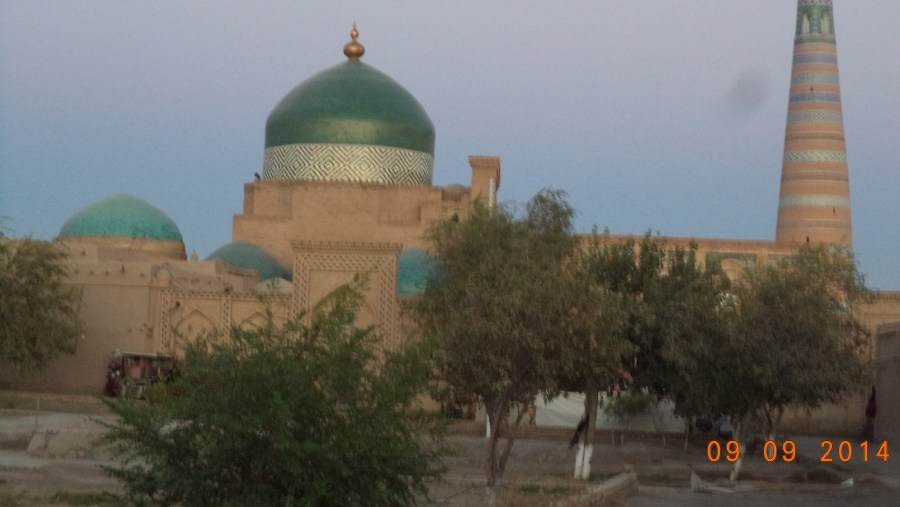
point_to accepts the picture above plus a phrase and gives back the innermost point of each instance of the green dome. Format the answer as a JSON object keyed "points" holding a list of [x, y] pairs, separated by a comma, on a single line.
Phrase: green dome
{"points": [[246, 255], [351, 103], [122, 215], [414, 266]]}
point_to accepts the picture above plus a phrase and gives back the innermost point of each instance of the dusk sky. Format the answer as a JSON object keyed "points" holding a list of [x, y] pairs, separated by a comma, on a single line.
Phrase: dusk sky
{"points": [[662, 115]]}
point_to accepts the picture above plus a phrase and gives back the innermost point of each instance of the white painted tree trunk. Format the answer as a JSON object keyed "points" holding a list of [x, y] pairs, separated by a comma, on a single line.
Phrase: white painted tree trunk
{"points": [[737, 464], [733, 477], [583, 462], [586, 446], [491, 495]]}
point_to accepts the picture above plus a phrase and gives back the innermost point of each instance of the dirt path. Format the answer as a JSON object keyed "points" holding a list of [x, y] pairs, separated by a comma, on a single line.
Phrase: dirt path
{"points": [[61, 466]]}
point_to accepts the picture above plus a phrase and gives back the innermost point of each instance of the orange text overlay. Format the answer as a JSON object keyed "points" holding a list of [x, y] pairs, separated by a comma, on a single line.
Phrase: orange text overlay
{"points": [[831, 451]]}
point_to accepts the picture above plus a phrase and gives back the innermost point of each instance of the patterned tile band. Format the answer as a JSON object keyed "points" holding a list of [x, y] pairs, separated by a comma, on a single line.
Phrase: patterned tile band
{"points": [[814, 78], [820, 3], [814, 200], [816, 97], [815, 117], [828, 157], [805, 58], [348, 162]]}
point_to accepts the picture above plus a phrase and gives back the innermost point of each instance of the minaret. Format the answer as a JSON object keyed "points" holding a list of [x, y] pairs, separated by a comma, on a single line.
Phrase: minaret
{"points": [[814, 205]]}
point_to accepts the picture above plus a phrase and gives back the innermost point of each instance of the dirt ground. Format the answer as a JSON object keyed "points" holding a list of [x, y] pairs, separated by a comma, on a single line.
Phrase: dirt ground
{"points": [[52, 459]]}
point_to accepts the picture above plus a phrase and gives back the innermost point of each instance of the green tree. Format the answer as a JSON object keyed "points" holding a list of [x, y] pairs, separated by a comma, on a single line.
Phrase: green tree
{"points": [[494, 310], [798, 318], [687, 305], [639, 298], [291, 414], [595, 342], [784, 336], [38, 310]]}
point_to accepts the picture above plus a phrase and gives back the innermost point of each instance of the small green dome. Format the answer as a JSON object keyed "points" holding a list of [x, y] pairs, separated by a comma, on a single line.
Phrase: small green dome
{"points": [[122, 215], [351, 103], [414, 266], [246, 255]]}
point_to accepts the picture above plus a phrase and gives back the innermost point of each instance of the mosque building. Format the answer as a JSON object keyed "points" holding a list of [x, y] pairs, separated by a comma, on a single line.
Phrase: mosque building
{"points": [[346, 187]]}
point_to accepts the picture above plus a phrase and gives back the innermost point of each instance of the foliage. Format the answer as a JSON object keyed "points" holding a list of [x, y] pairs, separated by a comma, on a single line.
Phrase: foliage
{"points": [[597, 318], [38, 311], [663, 299], [595, 341], [494, 309], [629, 404], [293, 414], [786, 336]]}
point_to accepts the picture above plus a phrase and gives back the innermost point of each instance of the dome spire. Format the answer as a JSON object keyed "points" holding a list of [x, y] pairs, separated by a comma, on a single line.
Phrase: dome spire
{"points": [[354, 49]]}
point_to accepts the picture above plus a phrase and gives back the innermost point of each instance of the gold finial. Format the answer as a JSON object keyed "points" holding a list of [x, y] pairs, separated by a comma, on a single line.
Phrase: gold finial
{"points": [[354, 49]]}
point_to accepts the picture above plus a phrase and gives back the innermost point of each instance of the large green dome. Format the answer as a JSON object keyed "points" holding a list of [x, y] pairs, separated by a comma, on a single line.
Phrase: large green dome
{"points": [[351, 123], [246, 255], [121, 215], [351, 103]]}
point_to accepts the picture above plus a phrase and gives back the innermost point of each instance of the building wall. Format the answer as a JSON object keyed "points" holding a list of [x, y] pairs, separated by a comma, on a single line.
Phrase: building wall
{"points": [[887, 417], [327, 232], [279, 212], [188, 314], [122, 309]]}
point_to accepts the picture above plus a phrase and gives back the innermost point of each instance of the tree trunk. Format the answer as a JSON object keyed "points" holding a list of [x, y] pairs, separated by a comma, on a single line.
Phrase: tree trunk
{"points": [[586, 446], [495, 416], [773, 418], [739, 438], [495, 464]]}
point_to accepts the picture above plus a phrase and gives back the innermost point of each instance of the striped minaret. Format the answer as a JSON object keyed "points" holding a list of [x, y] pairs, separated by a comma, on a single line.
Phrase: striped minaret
{"points": [[815, 193]]}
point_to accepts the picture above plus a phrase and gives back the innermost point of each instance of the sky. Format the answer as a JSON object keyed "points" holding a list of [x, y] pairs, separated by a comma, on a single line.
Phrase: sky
{"points": [[660, 115]]}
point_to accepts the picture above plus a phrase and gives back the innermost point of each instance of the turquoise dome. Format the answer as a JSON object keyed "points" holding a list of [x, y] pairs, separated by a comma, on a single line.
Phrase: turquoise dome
{"points": [[414, 266], [246, 255], [121, 215], [351, 103]]}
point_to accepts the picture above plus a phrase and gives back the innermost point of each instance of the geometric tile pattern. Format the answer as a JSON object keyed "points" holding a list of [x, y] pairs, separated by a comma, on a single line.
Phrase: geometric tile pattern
{"points": [[814, 78], [808, 58], [816, 97], [815, 19], [814, 202], [378, 260], [819, 3], [348, 163], [820, 156], [815, 117]]}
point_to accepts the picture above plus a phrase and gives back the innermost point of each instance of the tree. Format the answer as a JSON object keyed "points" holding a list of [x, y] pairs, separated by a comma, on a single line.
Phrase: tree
{"points": [[799, 317], [495, 313], [636, 298], [289, 414], [690, 321], [595, 343], [784, 336], [38, 311]]}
